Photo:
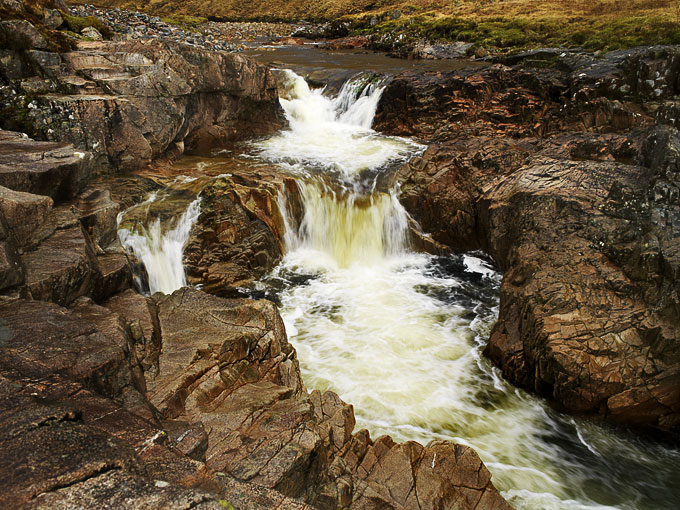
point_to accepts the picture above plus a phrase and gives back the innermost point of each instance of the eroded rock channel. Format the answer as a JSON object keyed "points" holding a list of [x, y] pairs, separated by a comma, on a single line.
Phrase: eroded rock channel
{"points": [[165, 316]]}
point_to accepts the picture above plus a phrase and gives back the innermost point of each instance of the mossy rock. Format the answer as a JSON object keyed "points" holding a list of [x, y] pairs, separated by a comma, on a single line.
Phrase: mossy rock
{"points": [[78, 23]]}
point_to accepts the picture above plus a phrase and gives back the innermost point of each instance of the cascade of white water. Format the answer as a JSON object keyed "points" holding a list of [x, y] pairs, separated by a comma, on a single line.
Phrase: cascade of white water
{"points": [[161, 251], [348, 227], [332, 134], [400, 337]]}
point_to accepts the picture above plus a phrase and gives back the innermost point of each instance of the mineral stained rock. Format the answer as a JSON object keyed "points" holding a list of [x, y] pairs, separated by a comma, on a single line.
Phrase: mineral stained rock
{"points": [[567, 174]]}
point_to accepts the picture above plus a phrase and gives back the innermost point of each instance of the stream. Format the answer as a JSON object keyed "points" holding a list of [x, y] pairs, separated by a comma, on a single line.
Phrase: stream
{"points": [[399, 334]]}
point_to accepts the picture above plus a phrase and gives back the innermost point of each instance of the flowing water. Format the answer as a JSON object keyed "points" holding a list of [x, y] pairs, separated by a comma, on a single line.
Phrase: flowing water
{"points": [[399, 334], [158, 246]]}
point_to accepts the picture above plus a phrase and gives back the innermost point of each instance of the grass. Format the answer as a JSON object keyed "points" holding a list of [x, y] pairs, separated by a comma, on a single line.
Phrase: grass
{"points": [[503, 24], [523, 32], [189, 23]]}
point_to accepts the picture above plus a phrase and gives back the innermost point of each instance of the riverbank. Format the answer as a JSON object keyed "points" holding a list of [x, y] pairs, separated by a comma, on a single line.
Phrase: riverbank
{"points": [[495, 26]]}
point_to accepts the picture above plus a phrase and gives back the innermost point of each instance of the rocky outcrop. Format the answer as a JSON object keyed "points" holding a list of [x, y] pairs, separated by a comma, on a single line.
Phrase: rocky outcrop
{"points": [[59, 252], [186, 399], [564, 176], [129, 102], [190, 399], [239, 235]]}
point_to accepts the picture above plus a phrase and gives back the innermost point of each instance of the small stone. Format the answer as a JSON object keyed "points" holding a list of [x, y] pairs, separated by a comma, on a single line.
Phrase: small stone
{"points": [[481, 53], [92, 33]]}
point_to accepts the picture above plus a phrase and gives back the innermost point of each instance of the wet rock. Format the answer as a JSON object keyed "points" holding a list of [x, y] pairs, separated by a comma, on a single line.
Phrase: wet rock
{"points": [[239, 235], [598, 309], [572, 192], [291, 41], [347, 43], [242, 383]]}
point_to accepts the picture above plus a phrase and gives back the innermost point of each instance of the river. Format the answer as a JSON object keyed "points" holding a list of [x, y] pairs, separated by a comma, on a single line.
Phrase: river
{"points": [[399, 334]]}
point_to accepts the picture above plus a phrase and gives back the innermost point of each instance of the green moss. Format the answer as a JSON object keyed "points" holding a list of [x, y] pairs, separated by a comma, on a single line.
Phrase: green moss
{"points": [[184, 21], [79, 23]]}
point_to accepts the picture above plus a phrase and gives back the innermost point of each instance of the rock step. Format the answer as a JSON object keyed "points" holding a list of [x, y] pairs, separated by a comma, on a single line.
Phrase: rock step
{"points": [[43, 168], [62, 268], [28, 216]]}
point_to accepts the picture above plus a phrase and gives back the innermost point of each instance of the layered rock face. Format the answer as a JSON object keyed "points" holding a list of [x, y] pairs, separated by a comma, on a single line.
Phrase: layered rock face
{"points": [[567, 175], [130, 102]]}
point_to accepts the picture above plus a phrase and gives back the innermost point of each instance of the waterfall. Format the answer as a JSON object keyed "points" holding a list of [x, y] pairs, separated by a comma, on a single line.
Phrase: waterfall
{"points": [[161, 251], [400, 334], [347, 226], [333, 135]]}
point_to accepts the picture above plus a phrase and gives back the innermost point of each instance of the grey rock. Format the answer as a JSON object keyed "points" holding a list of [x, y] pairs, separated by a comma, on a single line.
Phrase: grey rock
{"points": [[92, 34], [52, 18], [22, 35]]}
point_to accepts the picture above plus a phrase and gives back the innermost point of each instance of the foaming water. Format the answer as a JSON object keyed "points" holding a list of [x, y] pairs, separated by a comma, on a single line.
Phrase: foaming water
{"points": [[346, 227], [332, 134], [161, 249], [400, 334]]}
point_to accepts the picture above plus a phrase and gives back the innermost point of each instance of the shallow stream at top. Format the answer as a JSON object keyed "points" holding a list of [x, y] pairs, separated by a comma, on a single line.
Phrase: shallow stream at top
{"points": [[399, 334]]}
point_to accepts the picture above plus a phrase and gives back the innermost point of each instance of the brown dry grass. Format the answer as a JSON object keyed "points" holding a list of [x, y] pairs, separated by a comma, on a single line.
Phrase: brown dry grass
{"points": [[328, 9]]}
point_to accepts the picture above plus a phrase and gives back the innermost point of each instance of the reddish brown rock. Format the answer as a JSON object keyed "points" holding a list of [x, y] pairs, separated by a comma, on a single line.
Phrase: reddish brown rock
{"points": [[348, 43], [63, 268], [239, 235], [12, 270], [241, 380], [584, 225], [27, 215]]}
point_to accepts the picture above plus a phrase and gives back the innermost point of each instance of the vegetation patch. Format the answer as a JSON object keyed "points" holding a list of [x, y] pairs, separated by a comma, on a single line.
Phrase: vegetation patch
{"points": [[78, 23], [508, 25], [523, 33]]}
